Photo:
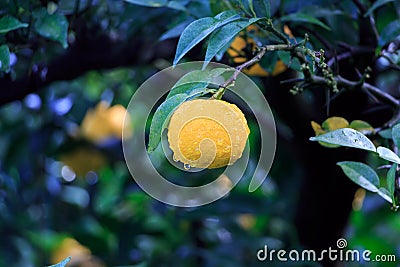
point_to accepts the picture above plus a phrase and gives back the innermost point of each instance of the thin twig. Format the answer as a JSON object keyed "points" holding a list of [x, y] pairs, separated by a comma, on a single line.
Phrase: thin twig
{"points": [[338, 58], [352, 51], [238, 70], [382, 94], [342, 82], [294, 80]]}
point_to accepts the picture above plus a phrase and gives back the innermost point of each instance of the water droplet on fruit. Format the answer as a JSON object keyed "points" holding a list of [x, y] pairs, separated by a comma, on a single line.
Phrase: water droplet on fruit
{"points": [[186, 166]]}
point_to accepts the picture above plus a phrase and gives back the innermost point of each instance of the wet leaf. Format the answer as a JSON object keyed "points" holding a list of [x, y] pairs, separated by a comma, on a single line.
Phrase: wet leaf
{"points": [[388, 154], [361, 174], [346, 137]]}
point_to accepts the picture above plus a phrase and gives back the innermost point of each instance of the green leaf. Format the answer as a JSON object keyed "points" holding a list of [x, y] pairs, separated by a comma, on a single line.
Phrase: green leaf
{"points": [[251, 6], [176, 5], [53, 27], [396, 135], [376, 5], [390, 181], [262, 8], [193, 76], [390, 32], [197, 92], [268, 63], [301, 17], [9, 23], [334, 123], [186, 88], [285, 57], [62, 263], [223, 36], [387, 134], [161, 118], [384, 193], [361, 174], [4, 58], [321, 12], [223, 50], [196, 31], [196, 79], [149, 3], [388, 154], [346, 137]]}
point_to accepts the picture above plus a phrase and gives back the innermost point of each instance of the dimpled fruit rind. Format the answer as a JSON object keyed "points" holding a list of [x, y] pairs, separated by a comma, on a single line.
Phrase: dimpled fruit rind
{"points": [[205, 133]]}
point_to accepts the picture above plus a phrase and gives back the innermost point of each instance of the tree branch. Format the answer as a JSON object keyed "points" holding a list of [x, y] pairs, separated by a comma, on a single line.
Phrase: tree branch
{"points": [[256, 58], [328, 79]]}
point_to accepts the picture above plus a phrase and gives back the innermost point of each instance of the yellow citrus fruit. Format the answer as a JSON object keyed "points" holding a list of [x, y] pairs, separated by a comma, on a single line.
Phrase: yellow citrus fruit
{"points": [[82, 160], [246, 221], [205, 133], [104, 122], [288, 31], [80, 255], [69, 247]]}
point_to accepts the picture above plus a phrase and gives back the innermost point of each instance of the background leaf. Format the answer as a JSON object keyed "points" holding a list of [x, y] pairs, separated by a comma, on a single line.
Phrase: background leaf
{"points": [[396, 135], [176, 5], [346, 137], [9, 23], [149, 3], [388, 154], [390, 180], [376, 5], [390, 32], [251, 7], [4, 58], [334, 123], [321, 12], [387, 134], [361, 126], [161, 117], [300, 17], [53, 27], [200, 29], [361, 174], [262, 8]]}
